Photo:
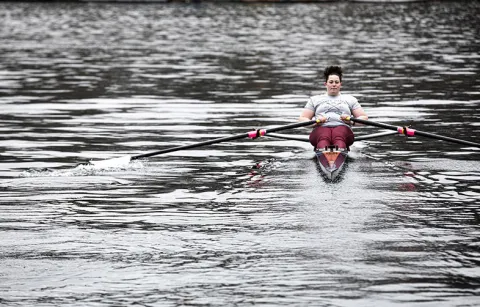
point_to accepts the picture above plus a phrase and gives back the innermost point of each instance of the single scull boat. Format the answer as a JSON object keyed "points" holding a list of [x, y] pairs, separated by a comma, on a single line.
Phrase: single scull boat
{"points": [[331, 160]]}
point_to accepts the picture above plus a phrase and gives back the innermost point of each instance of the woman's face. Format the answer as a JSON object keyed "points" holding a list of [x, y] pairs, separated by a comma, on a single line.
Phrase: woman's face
{"points": [[333, 85]]}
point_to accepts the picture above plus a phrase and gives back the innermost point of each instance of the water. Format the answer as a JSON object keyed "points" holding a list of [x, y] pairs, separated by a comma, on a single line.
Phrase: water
{"points": [[247, 222]]}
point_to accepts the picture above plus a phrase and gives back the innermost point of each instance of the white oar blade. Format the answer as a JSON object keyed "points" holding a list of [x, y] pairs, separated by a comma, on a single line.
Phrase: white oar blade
{"points": [[112, 163]]}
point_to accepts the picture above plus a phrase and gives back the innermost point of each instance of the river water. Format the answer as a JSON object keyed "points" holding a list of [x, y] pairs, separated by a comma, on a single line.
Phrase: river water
{"points": [[246, 222]]}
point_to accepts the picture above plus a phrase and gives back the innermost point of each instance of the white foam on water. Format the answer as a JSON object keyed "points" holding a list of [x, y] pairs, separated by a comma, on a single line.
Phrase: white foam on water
{"points": [[111, 163], [93, 168]]}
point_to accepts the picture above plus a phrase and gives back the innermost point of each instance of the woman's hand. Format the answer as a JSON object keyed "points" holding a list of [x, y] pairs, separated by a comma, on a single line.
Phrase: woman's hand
{"points": [[346, 118], [323, 119]]}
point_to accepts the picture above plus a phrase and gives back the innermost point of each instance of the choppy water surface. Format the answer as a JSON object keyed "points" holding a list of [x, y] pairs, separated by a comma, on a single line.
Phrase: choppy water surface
{"points": [[248, 222]]}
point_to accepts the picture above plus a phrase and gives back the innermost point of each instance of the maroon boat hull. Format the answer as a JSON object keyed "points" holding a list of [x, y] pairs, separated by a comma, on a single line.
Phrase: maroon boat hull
{"points": [[331, 162]]}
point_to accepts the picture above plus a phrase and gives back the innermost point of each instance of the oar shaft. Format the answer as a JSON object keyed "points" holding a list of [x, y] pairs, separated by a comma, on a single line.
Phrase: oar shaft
{"points": [[446, 138], [250, 134], [292, 126], [412, 132], [190, 146], [376, 124]]}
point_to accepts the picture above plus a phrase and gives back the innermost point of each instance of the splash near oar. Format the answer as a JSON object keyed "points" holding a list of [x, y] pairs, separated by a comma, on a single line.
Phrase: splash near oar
{"points": [[251, 134], [412, 132]]}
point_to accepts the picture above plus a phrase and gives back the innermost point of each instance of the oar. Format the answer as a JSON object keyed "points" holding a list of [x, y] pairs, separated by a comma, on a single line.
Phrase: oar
{"points": [[412, 132], [251, 134]]}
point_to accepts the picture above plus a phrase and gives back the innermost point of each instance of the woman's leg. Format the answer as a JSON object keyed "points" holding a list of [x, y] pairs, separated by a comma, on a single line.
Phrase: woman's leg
{"points": [[342, 136], [321, 137]]}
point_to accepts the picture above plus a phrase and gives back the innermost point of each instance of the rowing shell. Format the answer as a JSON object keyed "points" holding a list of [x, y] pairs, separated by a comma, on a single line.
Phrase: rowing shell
{"points": [[331, 161]]}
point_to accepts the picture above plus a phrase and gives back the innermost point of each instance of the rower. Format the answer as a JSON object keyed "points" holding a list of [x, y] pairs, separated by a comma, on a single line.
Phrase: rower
{"points": [[333, 110]]}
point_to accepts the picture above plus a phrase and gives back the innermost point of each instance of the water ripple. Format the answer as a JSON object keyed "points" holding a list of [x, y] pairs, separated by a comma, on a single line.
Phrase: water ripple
{"points": [[247, 222]]}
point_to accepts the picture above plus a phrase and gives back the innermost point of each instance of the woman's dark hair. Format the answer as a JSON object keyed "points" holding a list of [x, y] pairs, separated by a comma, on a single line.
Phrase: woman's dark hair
{"points": [[333, 70]]}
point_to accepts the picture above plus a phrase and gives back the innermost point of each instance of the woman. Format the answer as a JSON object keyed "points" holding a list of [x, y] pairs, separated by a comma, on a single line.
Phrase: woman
{"points": [[332, 109]]}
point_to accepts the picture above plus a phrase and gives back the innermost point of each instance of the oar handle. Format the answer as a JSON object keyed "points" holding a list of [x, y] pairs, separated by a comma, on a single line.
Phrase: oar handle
{"points": [[412, 132]]}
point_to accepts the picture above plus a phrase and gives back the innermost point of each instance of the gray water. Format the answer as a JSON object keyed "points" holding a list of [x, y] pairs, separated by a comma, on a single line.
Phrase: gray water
{"points": [[247, 222]]}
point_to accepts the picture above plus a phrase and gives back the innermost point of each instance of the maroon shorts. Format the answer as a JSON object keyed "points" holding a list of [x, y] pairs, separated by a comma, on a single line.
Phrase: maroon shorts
{"points": [[341, 136]]}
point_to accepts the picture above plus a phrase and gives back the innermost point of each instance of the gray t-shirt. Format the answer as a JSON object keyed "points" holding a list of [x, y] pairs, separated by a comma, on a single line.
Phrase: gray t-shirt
{"points": [[332, 107]]}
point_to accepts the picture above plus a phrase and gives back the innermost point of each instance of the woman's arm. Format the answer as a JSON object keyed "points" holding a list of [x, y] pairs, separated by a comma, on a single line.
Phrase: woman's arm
{"points": [[358, 113], [308, 115]]}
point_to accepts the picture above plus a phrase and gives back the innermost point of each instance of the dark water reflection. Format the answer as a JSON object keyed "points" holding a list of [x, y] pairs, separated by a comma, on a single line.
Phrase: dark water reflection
{"points": [[246, 222]]}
